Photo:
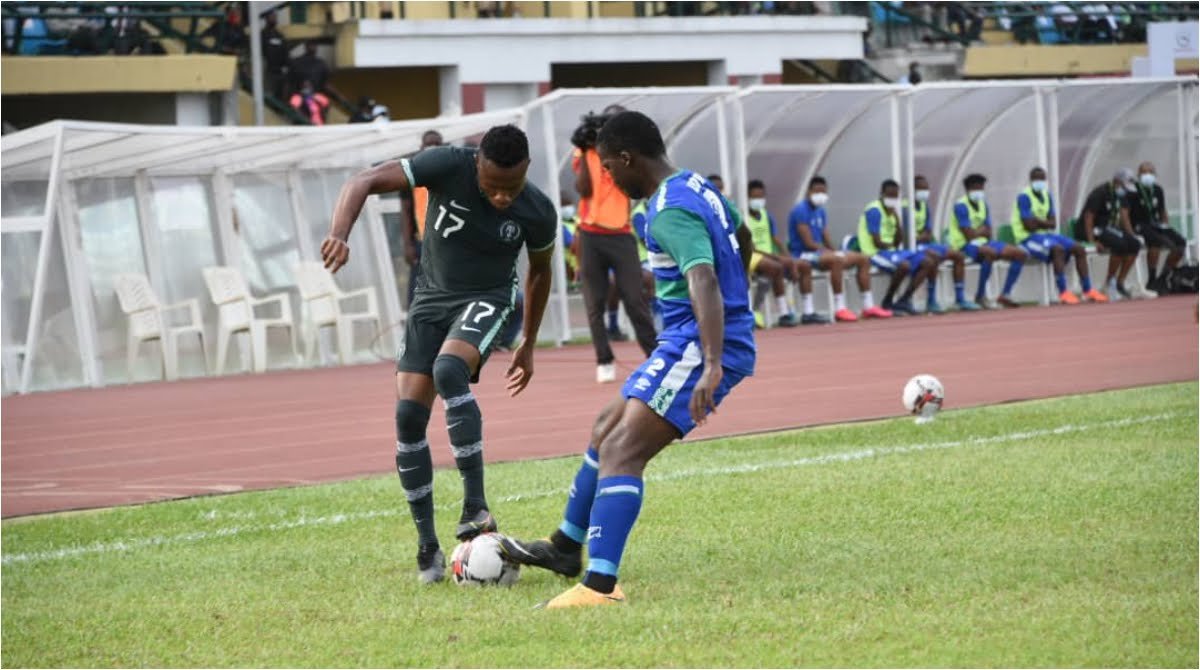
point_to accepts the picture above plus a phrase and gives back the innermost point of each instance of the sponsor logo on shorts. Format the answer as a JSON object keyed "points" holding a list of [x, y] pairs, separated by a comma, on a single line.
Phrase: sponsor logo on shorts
{"points": [[662, 400]]}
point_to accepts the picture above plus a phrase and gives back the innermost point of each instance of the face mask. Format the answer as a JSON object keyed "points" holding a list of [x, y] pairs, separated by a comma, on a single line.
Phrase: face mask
{"points": [[1147, 179], [923, 196], [891, 203], [1120, 190], [977, 196], [568, 212], [758, 204], [819, 199], [1039, 185]]}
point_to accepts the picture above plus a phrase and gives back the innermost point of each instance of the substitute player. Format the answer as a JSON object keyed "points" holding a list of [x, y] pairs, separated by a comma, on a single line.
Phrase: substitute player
{"points": [[481, 212], [880, 239], [1033, 226], [940, 252], [768, 262], [970, 231], [699, 250]]}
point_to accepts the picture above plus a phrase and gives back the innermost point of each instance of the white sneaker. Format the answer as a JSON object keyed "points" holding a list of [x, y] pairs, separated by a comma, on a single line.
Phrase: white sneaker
{"points": [[606, 374], [1143, 293]]}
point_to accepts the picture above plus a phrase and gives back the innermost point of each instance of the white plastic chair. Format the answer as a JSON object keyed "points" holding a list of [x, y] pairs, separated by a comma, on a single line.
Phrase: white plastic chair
{"points": [[322, 305], [235, 306], [146, 322]]}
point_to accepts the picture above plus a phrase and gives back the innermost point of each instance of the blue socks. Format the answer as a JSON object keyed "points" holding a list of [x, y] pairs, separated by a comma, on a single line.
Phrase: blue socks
{"points": [[579, 500], [1085, 283], [1010, 280], [931, 292], [985, 273], [959, 292], [612, 320], [618, 502], [1060, 280]]}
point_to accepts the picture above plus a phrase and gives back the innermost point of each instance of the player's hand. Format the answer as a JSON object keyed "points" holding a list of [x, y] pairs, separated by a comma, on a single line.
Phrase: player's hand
{"points": [[410, 254], [704, 395], [335, 252], [521, 369]]}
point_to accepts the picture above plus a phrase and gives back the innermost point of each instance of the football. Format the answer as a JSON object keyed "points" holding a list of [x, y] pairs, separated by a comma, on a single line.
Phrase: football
{"points": [[923, 396], [480, 561]]}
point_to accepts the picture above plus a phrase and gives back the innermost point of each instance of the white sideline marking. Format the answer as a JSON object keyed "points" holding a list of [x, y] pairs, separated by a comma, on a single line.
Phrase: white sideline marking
{"points": [[338, 519]]}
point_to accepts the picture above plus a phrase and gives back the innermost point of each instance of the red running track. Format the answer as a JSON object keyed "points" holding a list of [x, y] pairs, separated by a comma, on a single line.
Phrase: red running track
{"points": [[132, 444]]}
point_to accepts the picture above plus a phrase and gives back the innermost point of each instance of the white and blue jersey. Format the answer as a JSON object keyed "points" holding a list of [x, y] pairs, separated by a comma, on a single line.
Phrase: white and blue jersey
{"points": [[690, 223]]}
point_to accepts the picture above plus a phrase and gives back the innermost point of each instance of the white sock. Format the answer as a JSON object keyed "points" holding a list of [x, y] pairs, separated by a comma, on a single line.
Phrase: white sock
{"points": [[868, 300], [840, 300], [808, 303], [1112, 284], [782, 304]]}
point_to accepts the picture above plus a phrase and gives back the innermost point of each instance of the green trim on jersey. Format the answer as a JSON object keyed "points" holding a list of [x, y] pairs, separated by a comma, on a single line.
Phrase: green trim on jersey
{"points": [[684, 239]]}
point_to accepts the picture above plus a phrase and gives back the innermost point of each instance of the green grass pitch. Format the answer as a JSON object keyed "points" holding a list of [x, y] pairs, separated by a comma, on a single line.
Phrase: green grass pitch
{"points": [[1052, 533]]}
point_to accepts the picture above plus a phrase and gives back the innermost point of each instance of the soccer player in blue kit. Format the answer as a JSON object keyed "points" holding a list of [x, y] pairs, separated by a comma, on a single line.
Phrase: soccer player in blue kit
{"points": [[699, 252]]}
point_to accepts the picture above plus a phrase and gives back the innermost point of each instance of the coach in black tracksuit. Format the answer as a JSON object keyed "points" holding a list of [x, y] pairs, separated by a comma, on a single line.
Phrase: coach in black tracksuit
{"points": [[1104, 222], [1148, 211]]}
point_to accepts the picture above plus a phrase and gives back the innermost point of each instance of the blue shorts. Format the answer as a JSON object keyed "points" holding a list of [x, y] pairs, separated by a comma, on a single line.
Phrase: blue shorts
{"points": [[887, 260], [941, 249], [972, 248], [666, 380], [813, 257], [1040, 245]]}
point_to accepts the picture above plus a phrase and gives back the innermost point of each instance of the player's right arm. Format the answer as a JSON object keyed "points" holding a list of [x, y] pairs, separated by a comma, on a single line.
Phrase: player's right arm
{"points": [[382, 178], [963, 218]]}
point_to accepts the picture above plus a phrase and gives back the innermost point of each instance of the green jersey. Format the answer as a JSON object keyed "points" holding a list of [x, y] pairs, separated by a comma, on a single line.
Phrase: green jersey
{"points": [[469, 245]]}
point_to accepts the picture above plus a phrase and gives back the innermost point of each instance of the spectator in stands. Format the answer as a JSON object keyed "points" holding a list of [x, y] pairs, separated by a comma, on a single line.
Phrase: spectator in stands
{"points": [[1148, 211], [275, 57], [309, 67], [970, 231], [229, 34], [605, 245], [968, 22], [881, 238], [412, 222], [365, 112], [1105, 223], [310, 103], [808, 240], [1035, 227], [913, 77]]}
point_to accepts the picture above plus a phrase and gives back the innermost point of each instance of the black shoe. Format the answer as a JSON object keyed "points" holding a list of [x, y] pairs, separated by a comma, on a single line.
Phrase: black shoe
{"points": [[1124, 292], [812, 319], [788, 321], [543, 554], [469, 527], [431, 564]]}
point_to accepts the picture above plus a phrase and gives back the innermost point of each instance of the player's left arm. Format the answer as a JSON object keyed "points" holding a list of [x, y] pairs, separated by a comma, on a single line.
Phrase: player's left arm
{"points": [[1125, 222], [745, 246], [1161, 196], [682, 235], [705, 293], [537, 293]]}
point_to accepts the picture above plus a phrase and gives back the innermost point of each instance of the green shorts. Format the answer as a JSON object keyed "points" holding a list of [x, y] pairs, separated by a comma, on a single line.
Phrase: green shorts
{"points": [[433, 318]]}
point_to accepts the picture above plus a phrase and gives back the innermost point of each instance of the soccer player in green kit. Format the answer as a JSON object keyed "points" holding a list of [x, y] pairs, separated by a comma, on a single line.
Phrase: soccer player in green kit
{"points": [[481, 212]]}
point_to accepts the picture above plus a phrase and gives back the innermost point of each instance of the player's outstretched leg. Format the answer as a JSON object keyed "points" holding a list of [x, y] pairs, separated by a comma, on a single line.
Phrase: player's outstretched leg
{"points": [[562, 552], [452, 378], [414, 464], [638, 437]]}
